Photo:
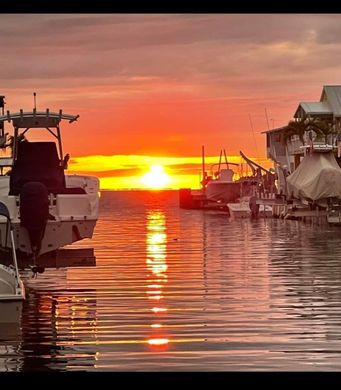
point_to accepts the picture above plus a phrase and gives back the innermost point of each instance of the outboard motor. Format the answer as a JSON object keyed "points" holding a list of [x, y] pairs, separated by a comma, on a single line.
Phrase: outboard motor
{"points": [[34, 213]]}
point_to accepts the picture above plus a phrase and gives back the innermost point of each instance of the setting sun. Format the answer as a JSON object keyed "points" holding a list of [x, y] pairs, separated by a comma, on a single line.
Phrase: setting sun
{"points": [[155, 178]]}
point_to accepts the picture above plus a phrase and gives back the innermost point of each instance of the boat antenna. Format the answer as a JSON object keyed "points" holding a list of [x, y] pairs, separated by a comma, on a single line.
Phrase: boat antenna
{"points": [[267, 118], [203, 167], [254, 137], [220, 157], [2, 106], [35, 102], [226, 162]]}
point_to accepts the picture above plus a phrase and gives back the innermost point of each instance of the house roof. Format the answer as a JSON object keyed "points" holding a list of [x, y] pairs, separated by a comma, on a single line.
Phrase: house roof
{"points": [[332, 94], [329, 104], [314, 108]]}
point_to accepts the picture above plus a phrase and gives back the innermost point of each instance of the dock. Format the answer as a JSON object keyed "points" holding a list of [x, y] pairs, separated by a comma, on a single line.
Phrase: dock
{"points": [[196, 200]]}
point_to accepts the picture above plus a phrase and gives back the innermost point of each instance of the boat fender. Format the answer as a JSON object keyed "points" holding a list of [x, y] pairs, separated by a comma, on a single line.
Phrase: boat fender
{"points": [[34, 212]]}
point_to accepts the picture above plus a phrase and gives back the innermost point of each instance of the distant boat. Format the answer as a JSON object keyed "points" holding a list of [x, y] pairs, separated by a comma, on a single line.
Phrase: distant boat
{"points": [[242, 209], [254, 190], [48, 209], [221, 187], [239, 210]]}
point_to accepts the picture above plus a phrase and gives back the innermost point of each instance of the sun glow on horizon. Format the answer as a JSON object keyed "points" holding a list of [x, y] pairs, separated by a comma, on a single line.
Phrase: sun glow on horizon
{"points": [[123, 172], [155, 178]]}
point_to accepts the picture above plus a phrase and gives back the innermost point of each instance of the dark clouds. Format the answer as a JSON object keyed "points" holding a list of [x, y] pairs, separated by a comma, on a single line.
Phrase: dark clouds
{"points": [[236, 64], [203, 50]]}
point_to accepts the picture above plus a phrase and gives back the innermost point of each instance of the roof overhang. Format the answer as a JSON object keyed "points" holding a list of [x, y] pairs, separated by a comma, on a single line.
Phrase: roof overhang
{"points": [[276, 130]]}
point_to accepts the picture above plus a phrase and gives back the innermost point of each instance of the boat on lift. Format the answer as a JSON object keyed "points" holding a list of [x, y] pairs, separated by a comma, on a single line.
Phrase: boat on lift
{"points": [[261, 184], [48, 208]]}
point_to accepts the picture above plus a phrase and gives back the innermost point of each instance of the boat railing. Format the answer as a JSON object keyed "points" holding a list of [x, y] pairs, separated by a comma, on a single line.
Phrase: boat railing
{"points": [[9, 228], [319, 147]]}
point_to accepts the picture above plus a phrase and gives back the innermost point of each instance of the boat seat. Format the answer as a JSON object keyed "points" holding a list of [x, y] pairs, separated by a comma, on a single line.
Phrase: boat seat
{"points": [[39, 162], [75, 190]]}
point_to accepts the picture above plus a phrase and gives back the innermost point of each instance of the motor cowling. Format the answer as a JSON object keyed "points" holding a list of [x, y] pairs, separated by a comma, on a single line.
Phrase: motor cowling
{"points": [[34, 212]]}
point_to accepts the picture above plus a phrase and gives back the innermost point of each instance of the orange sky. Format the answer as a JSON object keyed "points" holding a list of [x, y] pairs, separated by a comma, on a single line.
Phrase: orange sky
{"points": [[165, 84], [126, 171]]}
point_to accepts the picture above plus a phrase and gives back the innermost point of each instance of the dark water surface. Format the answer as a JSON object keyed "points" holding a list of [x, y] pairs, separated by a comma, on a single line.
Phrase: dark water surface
{"points": [[183, 290]]}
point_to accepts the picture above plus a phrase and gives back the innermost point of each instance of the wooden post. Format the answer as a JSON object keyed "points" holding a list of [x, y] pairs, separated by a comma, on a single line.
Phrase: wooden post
{"points": [[203, 169], [60, 143], [15, 144]]}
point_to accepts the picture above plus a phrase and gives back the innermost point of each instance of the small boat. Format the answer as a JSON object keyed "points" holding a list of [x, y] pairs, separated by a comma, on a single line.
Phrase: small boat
{"points": [[239, 210], [242, 209], [11, 285], [334, 215], [48, 209]]}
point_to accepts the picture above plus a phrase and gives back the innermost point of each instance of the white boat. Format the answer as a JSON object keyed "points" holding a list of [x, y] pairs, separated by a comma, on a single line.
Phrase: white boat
{"points": [[239, 210], [48, 209], [223, 188], [220, 186], [334, 214], [11, 285], [317, 179], [242, 209]]}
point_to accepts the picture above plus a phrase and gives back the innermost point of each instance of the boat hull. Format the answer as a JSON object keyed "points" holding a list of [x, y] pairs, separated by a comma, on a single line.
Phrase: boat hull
{"points": [[223, 191], [239, 210], [10, 289], [57, 234], [242, 210], [73, 216]]}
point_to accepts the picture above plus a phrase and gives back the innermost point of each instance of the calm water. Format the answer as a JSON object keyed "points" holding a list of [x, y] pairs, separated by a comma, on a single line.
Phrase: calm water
{"points": [[183, 290]]}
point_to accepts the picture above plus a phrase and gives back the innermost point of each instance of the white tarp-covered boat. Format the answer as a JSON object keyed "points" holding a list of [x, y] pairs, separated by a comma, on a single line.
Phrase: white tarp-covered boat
{"points": [[223, 188], [317, 178]]}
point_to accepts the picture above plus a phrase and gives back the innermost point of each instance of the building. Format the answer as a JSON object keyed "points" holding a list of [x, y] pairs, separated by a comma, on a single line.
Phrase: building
{"points": [[288, 150]]}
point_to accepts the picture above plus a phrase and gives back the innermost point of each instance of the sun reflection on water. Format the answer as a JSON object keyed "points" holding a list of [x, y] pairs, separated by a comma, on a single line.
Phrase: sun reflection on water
{"points": [[156, 262]]}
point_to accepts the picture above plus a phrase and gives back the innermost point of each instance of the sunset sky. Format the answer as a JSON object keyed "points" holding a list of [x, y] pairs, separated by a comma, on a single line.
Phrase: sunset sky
{"points": [[161, 85]]}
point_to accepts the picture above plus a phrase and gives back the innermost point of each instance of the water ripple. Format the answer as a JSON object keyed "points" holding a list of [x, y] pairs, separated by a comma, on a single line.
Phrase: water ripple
{"points": [[178, 290]]}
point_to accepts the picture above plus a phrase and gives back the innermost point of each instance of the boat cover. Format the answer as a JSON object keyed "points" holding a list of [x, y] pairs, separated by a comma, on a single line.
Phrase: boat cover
{"points": [[317, 177], [222, 191]]}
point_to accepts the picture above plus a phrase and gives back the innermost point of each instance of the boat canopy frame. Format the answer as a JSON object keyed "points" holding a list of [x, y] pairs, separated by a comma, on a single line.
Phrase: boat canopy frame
{"points": [[36, 119], [220, 163]]}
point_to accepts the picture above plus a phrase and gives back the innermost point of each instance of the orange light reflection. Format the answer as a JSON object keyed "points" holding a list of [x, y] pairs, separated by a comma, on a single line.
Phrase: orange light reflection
{"points": [[156, 242], [158, 341]]}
